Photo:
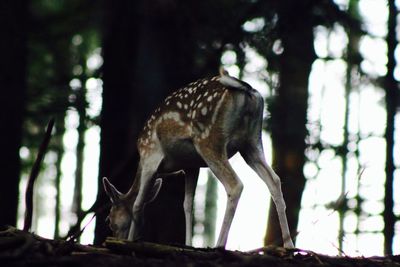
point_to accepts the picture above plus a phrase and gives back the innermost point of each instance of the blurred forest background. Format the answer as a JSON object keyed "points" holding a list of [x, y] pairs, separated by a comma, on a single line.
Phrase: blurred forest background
{"points": [[99, 67]]}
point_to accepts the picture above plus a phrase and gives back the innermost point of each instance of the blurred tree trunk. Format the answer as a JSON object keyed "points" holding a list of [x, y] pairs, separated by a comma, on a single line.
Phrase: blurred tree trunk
{"points": [[210, 210], [352, 59], [59, 150], [289, 109], [145, 56], [392, 96], [13, 53], [80, 105]]}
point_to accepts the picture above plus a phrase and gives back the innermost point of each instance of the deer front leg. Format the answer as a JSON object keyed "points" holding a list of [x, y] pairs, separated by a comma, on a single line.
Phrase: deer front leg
{"points": [[191, 177], [148, 168]]}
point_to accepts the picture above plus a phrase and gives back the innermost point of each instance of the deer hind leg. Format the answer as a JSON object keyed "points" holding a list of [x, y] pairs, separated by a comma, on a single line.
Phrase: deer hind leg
{"points": [[254, 157], [147, 167], [191, 177], [219, 165]]}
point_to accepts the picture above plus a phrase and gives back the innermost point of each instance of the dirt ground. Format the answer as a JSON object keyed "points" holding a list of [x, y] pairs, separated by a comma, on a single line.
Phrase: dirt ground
{"points": [[18, 248]]}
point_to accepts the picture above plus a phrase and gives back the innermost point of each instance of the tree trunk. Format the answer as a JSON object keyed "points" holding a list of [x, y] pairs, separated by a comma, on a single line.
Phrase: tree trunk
{"points": [[119, 42], [59, 149], [391, 87], [13, 52], [81, 108], [289, 110], [210, 210], [144, 58]]}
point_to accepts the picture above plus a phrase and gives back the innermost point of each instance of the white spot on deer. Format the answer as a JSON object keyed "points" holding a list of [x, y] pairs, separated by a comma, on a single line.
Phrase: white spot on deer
{"points": [[215, 94], [167, 103], [204, 111], [179, 104], [175, 116], [217, 107], [201, 126], [191, 103], [205, 94], [185, 106], [209, 98], [199, 105], [194, 114], [206, 133], [198, 97], [205, 82]]}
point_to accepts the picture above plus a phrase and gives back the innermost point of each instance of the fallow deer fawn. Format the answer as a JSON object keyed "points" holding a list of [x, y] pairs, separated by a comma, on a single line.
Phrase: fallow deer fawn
{"points": [[200, 125]]}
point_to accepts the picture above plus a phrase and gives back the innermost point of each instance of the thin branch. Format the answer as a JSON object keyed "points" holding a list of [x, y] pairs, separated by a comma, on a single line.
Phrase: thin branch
{"points": [[33, 175]]}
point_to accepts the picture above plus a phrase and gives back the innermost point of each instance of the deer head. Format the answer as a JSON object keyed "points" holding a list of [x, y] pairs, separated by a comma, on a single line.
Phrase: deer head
{"points": [[120, 216]]}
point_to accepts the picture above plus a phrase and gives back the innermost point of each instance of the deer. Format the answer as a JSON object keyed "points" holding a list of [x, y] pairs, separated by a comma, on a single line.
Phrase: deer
{"points": [[200, 125]]}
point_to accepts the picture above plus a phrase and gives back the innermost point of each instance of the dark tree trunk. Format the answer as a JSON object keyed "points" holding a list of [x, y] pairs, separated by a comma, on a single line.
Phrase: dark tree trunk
{"points": [[119, 44], [13, 52], [391, 87], [289, 110], [144, 58]]}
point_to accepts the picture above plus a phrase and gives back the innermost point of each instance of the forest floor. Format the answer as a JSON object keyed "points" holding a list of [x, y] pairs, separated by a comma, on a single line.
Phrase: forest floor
{"points": [[19, 248]]}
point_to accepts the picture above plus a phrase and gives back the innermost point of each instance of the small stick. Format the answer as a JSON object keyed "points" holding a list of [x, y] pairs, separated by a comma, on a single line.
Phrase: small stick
{"points": [[33, 175]]}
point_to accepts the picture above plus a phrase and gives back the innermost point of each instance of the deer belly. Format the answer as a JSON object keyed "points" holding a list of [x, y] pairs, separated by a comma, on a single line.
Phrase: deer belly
{"points": [[233, 147], [181, 154]]}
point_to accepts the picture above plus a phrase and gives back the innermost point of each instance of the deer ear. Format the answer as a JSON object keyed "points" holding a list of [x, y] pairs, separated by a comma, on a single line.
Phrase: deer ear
{"points": [[111, 191], [155, 190]]}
